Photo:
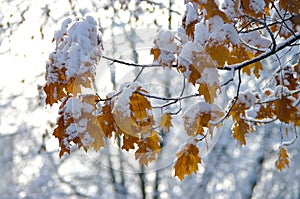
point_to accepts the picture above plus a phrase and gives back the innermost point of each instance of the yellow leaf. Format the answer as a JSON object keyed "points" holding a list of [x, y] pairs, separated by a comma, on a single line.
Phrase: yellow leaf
{"points": [[293, 6], [240, 129], [218, 52], [209, 92], [251, 11], [265, 112], [95, 131], [187, 162], [212, 10], [140, 120], [194, 74], [285, 110], [165, 122], [149, 148], [283, 159]]}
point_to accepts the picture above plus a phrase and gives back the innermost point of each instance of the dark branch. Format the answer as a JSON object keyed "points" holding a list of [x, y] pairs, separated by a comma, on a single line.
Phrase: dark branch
{"points": [[268, 53]]}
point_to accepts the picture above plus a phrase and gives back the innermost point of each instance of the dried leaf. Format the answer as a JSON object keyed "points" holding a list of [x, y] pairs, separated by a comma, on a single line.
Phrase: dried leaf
{"points": [[140, 120], [187, 162], [155, 52], [149, 148], [106, 120], [165, 122], [240, 129], [283, 159], [129, 141], [285, 110], [212, 10], [209, 92], [218, 52]]}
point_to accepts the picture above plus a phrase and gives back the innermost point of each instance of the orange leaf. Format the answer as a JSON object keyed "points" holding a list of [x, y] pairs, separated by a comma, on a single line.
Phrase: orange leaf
{"points": [[209, 92], [283, 159], [165, 122], [129, 141], [240, 129], [218, 52], [212, 10], [106, 120], [155, 52], [285, 110], [199, 116], [149, 147], [187, 161], [139, 119]]}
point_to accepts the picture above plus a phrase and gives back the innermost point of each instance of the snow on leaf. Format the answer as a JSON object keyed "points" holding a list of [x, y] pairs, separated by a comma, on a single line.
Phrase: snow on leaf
{"points": [[148, 148], [199, 116], [164, 48], [240, 54], [212, 9], [241, 127], [285, 110], [253, 8], [187, 161], [77, 124], [165, 122], [283, 159], [133, 112]]}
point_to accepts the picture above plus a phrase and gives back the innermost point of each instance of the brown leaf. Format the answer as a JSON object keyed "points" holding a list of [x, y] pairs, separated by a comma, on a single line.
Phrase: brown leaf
{"points": [[285, 110], [106, 120], [129, 141], [155, 52]]}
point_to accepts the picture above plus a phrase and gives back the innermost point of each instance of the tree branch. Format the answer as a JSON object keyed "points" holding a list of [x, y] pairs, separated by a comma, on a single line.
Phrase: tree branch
{"points": [[268, 53]]}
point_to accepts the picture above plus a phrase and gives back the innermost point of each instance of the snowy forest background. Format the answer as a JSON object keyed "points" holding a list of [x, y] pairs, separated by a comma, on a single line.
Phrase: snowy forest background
{"points": [[29, 163]]}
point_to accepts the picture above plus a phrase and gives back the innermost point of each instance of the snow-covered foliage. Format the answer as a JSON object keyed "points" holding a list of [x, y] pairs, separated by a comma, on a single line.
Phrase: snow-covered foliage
{"points": [[232, 68]]}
